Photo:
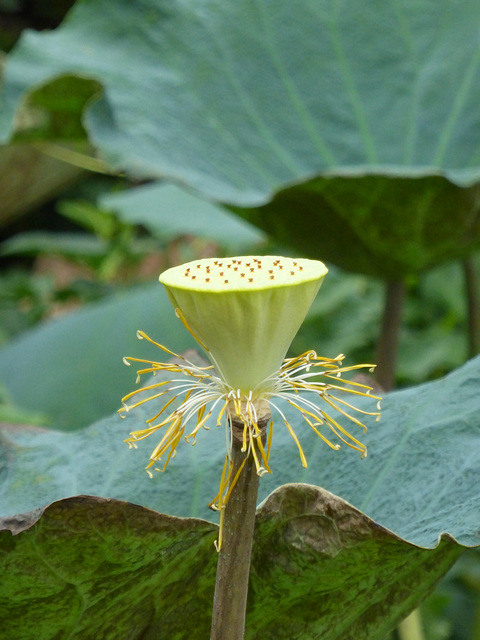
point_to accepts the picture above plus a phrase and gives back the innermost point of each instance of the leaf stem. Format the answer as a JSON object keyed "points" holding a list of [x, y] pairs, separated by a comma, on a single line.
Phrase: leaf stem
{"points": [[472, 287], [388, 341], [233, 567]]}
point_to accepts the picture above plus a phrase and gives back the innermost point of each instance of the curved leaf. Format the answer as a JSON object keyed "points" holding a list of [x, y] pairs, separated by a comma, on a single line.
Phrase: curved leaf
{"points": [[253, 97], [422, 471], [242, 100], [88, 567]]}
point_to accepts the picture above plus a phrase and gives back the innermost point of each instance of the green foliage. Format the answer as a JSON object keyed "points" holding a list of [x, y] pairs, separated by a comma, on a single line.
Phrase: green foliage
{"points": [[240, 103]]}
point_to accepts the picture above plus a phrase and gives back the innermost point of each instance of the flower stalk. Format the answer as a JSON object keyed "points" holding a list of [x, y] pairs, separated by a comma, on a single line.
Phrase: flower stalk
{"points": [[233, 565]]}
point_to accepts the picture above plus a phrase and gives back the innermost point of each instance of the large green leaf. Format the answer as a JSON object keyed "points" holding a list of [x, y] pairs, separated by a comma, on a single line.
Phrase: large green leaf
{"points": [[90, 568], [242, 100], [422, 470], [320, 567], [70, 368]]}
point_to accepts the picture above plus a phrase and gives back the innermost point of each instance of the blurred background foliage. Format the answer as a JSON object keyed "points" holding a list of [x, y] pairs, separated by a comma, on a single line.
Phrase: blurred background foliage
{"points": [[81, 241]]}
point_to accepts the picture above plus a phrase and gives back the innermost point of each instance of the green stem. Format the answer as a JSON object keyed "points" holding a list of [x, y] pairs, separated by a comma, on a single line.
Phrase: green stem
{"points": [[472, 288], [233, 567], [388, 340]]}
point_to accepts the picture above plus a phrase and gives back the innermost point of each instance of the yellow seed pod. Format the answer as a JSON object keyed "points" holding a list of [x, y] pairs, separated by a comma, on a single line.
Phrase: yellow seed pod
{"points": [[245, 311]]}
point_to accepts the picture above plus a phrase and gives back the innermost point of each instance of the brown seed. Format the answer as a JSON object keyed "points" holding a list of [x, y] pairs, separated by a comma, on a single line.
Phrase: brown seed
{"points": [[242, 275], [250, 279], [226, 281], [272, 277], [207, 279]]}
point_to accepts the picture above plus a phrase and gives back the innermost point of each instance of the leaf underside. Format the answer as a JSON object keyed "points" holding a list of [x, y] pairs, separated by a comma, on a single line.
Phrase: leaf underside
{"points": [[91, 567]]}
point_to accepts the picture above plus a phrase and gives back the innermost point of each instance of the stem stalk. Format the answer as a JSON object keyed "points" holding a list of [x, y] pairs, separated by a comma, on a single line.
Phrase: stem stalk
{"points": [[233, 567]]}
